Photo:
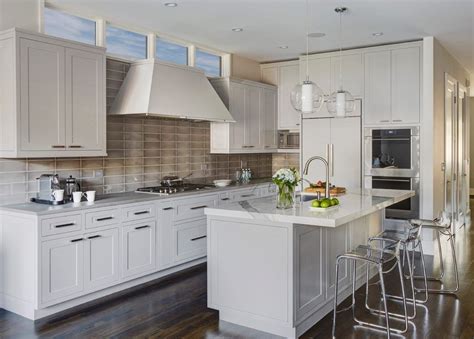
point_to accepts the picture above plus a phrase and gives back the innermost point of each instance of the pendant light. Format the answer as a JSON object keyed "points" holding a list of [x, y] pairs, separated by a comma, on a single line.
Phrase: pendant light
{"points": [[340, 102], [307, 97]]}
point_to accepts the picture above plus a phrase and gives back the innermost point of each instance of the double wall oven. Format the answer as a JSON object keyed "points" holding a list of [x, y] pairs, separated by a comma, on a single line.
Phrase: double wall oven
{"points": [[392, 161]]}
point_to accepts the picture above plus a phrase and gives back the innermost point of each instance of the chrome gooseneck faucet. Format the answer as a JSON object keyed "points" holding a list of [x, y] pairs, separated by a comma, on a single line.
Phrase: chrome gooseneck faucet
{"points": [[325, 162]]}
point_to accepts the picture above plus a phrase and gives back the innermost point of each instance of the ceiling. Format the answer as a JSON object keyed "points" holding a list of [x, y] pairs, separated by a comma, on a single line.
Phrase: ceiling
{"points": [[269, 24]]}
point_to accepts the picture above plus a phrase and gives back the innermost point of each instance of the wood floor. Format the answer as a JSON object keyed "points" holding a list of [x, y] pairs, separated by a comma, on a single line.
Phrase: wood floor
{"points": [[176, 308]]}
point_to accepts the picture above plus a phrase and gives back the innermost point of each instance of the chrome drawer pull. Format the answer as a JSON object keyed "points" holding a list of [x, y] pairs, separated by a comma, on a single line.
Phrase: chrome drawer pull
{"points": [[76, 240], [94, 237], [224, 199], [65, 225], [142, 212], [198, 207], [58, 146], [247, 195], [168, 208], [142, 227], [201, 237], [104, 219], [75, 146]]}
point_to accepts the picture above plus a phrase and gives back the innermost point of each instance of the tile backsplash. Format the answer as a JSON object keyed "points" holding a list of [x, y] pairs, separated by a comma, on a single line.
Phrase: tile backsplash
{"points": [[140, 152]]}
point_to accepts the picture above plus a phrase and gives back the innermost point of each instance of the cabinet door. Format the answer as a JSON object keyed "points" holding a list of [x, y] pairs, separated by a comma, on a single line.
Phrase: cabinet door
{"points": [[377, 87], [288, 117], [62, 270], [270, 75], [101, 254], [406, 86], [346, 152], [164, 232], [352, 74], [237, 110], [189, 240], [319, 72], [138, 248], [85, 106], [315, 140], [42, 94], [269, 119], [252, 118]]}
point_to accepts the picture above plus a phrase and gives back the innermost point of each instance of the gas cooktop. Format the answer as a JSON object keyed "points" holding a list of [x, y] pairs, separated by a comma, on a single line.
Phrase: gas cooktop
{"points": [[165, 190]]}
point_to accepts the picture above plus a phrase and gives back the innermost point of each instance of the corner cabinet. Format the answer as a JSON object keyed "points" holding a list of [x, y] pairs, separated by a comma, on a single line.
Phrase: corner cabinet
{"points": [[253, 106], [53, 92]]}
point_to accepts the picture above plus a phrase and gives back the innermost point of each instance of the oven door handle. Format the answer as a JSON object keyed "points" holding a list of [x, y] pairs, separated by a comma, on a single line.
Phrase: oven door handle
{"points": [[393, 180]]}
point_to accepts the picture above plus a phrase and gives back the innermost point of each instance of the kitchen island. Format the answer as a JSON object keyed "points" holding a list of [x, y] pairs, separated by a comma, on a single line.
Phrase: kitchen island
{"points": [[273, 270]]}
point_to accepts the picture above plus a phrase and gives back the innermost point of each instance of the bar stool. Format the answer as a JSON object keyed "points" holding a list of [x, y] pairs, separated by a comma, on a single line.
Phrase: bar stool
{"points": [[377, 258], [389, 239], [441, 226]]}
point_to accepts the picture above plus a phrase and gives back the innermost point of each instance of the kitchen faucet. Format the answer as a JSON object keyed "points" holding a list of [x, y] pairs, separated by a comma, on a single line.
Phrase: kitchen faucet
{"points": [[325, 162]]}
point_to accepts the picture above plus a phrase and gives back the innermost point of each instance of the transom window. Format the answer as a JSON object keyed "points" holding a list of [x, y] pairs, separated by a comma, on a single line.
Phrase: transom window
{"points": [[125, 44], [69, 26], [169, 51], [209, 63]]}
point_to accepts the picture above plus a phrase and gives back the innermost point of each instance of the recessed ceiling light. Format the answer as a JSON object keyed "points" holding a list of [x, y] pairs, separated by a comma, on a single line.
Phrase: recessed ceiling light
{"points": [[283, 47], [377, 34], [171, 4], [316, 35], [237, 29]]}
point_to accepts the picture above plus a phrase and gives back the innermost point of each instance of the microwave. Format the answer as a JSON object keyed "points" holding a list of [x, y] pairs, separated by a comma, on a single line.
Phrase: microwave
{"points": [[288, 140]]}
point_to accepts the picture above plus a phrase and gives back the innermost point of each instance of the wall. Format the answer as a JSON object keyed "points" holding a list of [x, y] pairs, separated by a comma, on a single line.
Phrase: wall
{"points": [[244, 68], [471, 105], [140, 152], [436, 62], [281, 160], [20, 13]]}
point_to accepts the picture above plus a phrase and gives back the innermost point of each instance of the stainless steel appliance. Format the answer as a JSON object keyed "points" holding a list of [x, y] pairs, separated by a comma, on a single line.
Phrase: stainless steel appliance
{"points": [[406, 209], [47, 184], [392, 151], [173, 189], [288, 140], [72, 186]]}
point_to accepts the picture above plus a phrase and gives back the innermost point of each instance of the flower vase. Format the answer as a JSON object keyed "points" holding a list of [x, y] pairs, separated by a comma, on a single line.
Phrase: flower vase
{"points": [[285, 197]]}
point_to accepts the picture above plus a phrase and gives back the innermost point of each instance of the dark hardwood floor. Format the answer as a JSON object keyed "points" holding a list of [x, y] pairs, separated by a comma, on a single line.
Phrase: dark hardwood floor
{"points": [[176, 308]]}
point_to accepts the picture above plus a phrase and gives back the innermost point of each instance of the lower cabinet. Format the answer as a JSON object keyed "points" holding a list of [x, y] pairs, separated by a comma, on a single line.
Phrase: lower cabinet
{"points": [[62, 272], [138, 248], [189, 240], [101, 254]]}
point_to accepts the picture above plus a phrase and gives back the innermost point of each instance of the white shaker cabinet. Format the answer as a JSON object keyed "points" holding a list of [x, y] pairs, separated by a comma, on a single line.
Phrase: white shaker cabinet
{"points": [[393, 85], [62, 270], [285, 75], [252, 105], [138, 248], [53, 102], [352, 73]]}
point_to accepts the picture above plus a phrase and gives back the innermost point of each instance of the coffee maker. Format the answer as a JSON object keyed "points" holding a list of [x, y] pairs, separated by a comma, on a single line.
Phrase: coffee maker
{"points": [[47, 184], [71, 186]]}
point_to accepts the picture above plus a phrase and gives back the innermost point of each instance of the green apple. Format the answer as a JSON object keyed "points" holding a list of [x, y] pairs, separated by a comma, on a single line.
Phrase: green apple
{"points": [[315, 203]]}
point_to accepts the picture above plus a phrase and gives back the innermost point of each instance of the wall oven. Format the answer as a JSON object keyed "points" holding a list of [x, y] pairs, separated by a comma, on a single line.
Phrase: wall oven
{"points": [[392, 151], [406, 209], [288, 140]]}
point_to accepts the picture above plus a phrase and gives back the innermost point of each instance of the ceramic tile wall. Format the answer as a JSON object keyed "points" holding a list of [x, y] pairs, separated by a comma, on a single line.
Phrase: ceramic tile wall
{"points": [[140, 152], [280, 160]]}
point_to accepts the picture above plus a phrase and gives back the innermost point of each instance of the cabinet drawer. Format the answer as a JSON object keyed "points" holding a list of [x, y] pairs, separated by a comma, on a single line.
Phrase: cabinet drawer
{"points": [[224, 198], [245, 195], [102, 218], [62, 224], [139, 212], [194, 208], [190, 240]]}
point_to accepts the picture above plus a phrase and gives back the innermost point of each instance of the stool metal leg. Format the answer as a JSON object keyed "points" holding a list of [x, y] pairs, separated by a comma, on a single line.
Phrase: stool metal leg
{"points": [[336, 283], [382, 285]]}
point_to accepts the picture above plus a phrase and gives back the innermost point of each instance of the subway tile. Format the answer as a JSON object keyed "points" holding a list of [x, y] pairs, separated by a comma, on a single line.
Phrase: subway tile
{"points": [[62, 164], [92, 163], [12, 165]]}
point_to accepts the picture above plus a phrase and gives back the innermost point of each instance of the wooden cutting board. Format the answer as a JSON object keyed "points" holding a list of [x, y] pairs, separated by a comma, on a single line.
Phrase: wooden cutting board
{"points": [[333, 191]]}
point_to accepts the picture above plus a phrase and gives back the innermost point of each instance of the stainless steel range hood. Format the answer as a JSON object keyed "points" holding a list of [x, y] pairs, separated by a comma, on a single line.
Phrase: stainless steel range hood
{"points": [[157, 88]]}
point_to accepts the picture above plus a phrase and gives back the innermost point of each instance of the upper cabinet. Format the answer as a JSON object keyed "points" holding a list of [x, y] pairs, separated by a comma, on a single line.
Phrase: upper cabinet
{"points": [[285, 75], [253, 106], [393, 85], [54, 95]]}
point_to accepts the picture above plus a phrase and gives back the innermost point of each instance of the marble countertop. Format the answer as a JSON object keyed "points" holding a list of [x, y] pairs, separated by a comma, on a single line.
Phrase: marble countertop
{"points": [[108, 200], [353, 205]]}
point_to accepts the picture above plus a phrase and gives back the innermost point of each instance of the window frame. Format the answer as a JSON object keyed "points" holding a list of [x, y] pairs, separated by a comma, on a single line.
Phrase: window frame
{"points": [[54, 8]]}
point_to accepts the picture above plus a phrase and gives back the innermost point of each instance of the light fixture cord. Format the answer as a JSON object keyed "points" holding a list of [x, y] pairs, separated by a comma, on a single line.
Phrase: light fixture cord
{"points": [[340, 50], [307, 39]]}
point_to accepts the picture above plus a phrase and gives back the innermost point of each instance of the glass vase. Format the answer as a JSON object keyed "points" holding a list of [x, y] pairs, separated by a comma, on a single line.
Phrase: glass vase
{"points": [[285, 197]]}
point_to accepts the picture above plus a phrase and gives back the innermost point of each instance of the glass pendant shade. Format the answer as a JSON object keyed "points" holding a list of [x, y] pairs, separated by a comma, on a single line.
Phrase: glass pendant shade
{"points": [[340, 103], [307, 97]]}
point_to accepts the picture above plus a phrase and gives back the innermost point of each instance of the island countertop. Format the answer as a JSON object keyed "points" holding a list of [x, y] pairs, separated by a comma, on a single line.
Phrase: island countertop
{"points": [[353, 205]]}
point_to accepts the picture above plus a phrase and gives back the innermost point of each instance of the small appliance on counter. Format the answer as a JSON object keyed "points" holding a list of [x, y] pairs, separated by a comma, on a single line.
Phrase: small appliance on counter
{"points": [[71, 186], [49, 190]]}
